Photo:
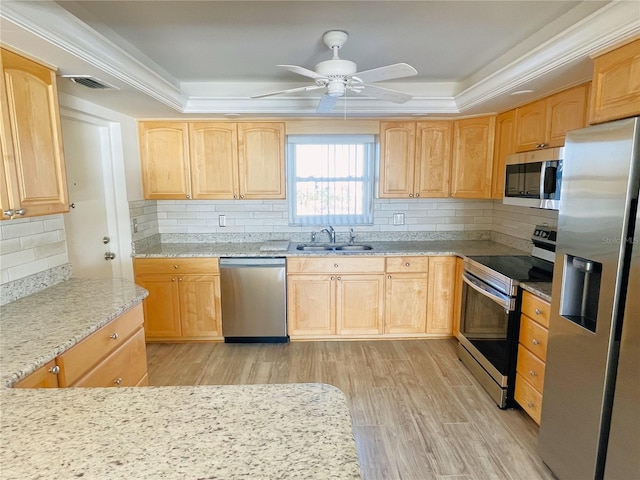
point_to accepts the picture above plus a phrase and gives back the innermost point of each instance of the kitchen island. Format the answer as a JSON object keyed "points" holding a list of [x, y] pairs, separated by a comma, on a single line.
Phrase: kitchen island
{"points": [[226, 432]]}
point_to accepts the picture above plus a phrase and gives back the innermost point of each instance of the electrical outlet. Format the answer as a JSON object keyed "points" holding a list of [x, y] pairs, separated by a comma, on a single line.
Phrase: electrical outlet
{"points": [[222, 220], [398, 218]]}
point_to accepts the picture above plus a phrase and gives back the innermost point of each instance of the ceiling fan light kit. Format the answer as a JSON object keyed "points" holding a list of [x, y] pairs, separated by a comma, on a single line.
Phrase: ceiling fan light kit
{"points": [[338, 76]]}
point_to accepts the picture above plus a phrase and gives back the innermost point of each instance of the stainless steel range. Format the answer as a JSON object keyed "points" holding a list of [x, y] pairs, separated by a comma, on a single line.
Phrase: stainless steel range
{"points": [[490, 319]]}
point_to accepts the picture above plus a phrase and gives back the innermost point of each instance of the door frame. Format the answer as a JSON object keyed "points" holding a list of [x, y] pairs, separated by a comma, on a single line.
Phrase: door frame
{"points": [[114, 181]]}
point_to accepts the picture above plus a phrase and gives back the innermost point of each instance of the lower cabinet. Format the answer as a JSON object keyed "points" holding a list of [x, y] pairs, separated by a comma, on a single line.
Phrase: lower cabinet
{"points": [[113, 356], [532, 354], [407, 296], [184, 298]]}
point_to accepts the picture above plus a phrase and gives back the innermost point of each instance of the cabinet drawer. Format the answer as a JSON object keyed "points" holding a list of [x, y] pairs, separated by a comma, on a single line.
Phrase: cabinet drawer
{"points": [[125, 367], [176, 265], [334, 264], [536, 308], [528, 398], [531, 368], [534, 337], [44, 377], [76, 361], [407, 264]]}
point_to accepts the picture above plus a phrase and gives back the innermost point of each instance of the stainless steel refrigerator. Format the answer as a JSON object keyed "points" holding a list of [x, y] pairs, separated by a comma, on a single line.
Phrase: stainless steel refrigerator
{"points": [[590, 424]]}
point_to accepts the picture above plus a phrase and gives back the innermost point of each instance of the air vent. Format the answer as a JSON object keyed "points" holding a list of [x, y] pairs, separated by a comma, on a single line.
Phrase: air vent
{"points": [[90, 82]]}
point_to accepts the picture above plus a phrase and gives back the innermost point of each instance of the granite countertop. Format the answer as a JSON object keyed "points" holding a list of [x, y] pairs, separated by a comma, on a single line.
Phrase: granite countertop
{"points": [[430, 247], [224, 432], [37, 328], [541, 289]]}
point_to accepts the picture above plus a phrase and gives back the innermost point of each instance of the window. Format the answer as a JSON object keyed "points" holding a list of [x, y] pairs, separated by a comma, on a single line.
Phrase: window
{"points": [[330, 179]]}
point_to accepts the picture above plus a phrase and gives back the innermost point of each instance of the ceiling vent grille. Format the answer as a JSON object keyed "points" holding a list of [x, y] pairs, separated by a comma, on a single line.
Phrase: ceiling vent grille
{"points": [[90, 82]]}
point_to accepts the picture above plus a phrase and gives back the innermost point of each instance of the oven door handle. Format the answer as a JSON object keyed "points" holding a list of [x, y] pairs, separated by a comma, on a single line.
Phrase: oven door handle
{"points": [[504, 301]]}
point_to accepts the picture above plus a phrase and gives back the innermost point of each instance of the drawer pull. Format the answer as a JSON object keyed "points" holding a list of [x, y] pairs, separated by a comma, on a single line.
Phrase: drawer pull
{"points": [[55, 370], [407, 264], [175, 266], [532, 373], [117, 381], [114, 335], [335, 265], [535, 342], [538, 311]]}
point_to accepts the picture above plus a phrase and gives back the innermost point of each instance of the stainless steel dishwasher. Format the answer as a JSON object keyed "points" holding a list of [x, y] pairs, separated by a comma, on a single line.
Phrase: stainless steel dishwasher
{"points": [[254, 299]]}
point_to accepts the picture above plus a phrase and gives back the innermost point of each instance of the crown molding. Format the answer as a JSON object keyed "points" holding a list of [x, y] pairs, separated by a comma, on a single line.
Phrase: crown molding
{"points": [[607, 26], [52, 23]]}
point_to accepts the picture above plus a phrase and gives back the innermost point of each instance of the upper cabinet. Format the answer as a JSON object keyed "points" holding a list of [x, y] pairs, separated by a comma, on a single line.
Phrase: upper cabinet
{"points": [[615, 92], [505, 144], [472, 157], [415, 159], [33, 178], [212, 160], [544, 123]]}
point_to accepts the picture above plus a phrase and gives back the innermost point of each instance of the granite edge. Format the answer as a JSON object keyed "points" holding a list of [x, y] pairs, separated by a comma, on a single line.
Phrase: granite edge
{"points": [[23, 287], [540, 289]]}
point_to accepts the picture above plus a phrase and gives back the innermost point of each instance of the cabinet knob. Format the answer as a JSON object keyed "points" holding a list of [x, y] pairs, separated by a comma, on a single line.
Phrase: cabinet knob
{"points": [[411, 195], [21, 211], [117, 381], [335, 265], [532, 373], [538, 311], [55, 370], [114, 336], [241, 196], [180, 279], [187, 197], [333, 278], [173, 279], [339, 279], [9, 213], [407, 264], [535, 342], [389, 277], [417, 195], [175, 266], [235, 197], [530, 404]]}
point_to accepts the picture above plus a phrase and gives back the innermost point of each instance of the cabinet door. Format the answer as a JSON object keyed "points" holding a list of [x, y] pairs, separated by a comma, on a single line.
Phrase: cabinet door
{"points": [[406, 302], [213, 149], [397, 159], [473, 157], [615, 92], [505, 144], [433, 159], [36, 181], [310, 305], [43, 377], [261, 160], [442, 272], [164, 157], [566, 110], [200, 311], [531, 126], [161, 307], [359, 304]]}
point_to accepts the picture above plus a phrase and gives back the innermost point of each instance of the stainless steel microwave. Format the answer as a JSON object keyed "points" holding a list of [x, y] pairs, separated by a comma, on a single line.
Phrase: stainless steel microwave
{"points": [[534, 179]]}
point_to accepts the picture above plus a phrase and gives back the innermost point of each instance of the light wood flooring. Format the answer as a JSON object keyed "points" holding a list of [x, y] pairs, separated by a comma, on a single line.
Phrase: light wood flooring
{"points": [[417, 413]]}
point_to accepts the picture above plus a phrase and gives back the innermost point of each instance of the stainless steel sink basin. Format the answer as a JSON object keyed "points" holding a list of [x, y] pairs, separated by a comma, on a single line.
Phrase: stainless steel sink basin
{"points": [[338, 247]]}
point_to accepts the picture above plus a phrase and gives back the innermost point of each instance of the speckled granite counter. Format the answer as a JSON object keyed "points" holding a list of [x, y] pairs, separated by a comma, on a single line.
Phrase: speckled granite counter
{"points": [[226, 432], [541, 289], [35, 329], [452, 247]]}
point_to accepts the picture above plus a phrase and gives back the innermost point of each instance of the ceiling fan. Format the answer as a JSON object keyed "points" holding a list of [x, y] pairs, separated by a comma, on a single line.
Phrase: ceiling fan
{"points": [[338, 76]]}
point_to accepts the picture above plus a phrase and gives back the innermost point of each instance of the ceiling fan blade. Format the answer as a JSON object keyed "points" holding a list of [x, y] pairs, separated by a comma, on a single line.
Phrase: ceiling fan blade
{"points": [[308, 88], [397, 70], [382, 93], [302, 71], [327, 102]]}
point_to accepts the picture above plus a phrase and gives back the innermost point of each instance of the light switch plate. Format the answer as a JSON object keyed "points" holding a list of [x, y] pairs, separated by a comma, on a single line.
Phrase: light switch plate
{"points": [[222, 220], [398, 218]]}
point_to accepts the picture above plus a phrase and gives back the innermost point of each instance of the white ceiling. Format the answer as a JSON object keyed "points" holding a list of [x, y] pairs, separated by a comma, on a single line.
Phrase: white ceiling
{"points": [[171, 58]]}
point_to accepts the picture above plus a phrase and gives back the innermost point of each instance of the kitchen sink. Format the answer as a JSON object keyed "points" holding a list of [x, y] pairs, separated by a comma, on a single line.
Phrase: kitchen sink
{"points": [[338, 247]]}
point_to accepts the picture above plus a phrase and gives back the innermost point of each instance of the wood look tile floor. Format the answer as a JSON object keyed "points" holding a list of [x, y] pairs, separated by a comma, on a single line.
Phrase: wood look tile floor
{"points": [[417, 412]]}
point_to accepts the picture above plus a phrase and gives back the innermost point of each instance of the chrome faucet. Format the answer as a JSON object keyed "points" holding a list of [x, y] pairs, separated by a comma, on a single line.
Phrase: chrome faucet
{"points": [[331, 232]]}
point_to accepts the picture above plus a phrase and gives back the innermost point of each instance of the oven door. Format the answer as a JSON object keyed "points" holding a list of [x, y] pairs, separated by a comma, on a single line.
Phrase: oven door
{"points": [[487, 328]]}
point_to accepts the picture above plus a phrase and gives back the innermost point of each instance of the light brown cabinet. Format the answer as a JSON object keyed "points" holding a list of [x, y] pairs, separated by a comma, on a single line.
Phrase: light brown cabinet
{"points": [[544, 123], [33, 177], [406, 292], [532, 354], [415, 159], [615, 92], [472, 157], [328, 296], [442, 295], [184, 298], [505, 144], [113, 356], [212, 160]]}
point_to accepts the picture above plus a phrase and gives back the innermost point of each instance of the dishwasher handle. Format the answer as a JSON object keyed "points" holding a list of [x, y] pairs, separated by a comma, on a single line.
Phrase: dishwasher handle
{"points": [[233, 262]]}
